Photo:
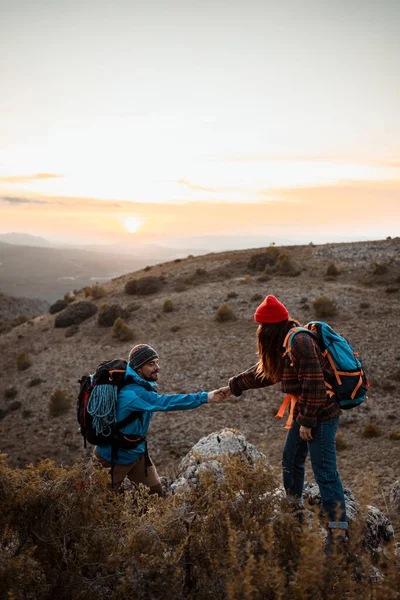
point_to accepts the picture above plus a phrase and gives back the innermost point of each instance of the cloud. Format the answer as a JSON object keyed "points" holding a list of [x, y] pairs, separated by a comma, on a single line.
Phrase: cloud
{"points": [[195, 187], [16, 200], [33, 177]]}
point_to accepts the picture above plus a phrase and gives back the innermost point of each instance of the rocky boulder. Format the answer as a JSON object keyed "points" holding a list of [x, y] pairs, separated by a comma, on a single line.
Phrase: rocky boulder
{"points": [[209, 454]]}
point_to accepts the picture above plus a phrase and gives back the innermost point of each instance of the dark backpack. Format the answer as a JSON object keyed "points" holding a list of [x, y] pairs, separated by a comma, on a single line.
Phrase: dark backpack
{"points": [[350, 384], [97, 404]]}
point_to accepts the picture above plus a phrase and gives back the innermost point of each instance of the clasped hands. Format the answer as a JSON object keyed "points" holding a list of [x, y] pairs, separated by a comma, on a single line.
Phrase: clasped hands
{"points": [[217, 396]]}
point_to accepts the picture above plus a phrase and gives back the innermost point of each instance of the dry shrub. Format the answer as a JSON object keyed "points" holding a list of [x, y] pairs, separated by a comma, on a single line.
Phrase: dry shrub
{"points": [[59, 403], [379, 268], [10, 392], [168, 306], [5, 326], [75, 313], [285, 266], [393, 435], [392, 289], [371, 430], [121, 331], [224, 313], [143, 286], [20, 320], [364, 305], [324, 307], [341, 443], [256, 297], [65, 536], [245, 280], [23, 361], [180, 285], [35, 381], [109, 313], [58, 306], [259, 261], [332, 270], [95, 291]]}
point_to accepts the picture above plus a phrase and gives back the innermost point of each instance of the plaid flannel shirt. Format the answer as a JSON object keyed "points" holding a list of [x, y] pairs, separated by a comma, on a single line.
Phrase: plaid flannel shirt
{"points": [[303, 376]]}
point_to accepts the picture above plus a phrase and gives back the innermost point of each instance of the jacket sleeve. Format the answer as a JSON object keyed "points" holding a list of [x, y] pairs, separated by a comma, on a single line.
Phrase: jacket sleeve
{"points": [[306, 360], [151, 401], [248, 380]]}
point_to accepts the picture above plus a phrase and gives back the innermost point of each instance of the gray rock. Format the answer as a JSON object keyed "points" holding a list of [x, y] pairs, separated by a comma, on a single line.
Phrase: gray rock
{"points": [[206, 455], [378, 528]]}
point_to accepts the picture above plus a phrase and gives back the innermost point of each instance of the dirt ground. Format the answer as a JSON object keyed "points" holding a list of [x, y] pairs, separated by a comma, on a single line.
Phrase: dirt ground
{"points": [[199, 353]]}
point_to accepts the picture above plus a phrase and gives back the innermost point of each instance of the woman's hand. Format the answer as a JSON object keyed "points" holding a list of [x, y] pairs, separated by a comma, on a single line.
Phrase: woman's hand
{"points": [[305, 433]]}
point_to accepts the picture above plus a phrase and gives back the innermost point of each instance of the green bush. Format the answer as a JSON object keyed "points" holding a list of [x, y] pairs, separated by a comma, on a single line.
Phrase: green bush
{"points": [[58, 306], [143, 286], [324, 307], [224, 313], [59, 403], [75, 313], [23, 361], [121, 331], [371, 431]]}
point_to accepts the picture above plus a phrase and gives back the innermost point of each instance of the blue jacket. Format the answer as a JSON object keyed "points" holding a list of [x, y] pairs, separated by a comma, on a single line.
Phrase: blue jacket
{"points": [[140, 395]]}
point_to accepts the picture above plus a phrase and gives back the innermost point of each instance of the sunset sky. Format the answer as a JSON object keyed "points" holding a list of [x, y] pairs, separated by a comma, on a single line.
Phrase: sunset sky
{"points": [[155, 120]]}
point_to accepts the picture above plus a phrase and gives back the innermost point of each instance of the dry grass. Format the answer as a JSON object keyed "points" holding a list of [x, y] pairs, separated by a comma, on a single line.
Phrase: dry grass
{"points": [[121, 331], [224, 313], [59, 403], [65, 536], [324, 307], [23, 361]]}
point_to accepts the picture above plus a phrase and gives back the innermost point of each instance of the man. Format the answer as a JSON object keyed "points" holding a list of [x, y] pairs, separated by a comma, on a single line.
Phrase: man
{"points": [[140, 396]]}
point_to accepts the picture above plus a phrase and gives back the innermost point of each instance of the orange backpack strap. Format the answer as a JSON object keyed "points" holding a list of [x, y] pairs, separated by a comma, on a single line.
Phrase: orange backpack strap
{"points": [[288, 399], [287, 343]]}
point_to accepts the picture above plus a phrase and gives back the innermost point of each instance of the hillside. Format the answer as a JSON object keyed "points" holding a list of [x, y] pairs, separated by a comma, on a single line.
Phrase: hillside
{"points": [[11, 307], [48, 273], [197, 352]]}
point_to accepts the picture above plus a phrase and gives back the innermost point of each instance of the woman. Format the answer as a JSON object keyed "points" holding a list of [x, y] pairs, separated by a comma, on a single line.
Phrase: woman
{"points": [[315, 415]]}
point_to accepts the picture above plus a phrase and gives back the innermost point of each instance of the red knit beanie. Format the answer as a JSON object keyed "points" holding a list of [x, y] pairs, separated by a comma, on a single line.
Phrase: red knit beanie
{"points": [[271, 311]]}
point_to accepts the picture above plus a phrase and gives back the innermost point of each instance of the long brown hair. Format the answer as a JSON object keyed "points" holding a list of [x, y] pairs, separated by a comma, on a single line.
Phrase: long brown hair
{"points": [[270, 338]]}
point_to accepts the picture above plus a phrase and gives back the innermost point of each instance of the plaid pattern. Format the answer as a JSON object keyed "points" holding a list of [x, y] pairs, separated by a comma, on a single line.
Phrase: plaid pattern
{"points": [[304, 376]]}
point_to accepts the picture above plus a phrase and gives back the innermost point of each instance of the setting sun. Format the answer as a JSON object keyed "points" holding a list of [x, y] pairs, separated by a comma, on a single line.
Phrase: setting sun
{"points": [[133, 224]]}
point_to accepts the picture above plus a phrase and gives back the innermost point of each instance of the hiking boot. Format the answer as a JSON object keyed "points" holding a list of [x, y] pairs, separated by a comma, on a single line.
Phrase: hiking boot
{"points": [[338, 538]]}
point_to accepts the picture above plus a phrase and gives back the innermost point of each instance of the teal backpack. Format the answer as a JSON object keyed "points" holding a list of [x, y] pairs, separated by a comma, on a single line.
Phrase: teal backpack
{"points": [[350, 384]]}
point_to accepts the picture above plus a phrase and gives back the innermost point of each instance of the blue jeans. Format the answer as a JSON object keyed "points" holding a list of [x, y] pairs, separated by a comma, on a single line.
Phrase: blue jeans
{"points": [[323, 461]]}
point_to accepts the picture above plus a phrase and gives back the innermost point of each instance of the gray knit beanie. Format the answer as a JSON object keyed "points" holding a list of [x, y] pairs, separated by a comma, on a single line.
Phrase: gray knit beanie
{"points": [[140, 355]]}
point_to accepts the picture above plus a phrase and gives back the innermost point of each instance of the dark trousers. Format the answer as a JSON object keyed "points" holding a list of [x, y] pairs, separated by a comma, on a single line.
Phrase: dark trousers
{"points": [[322, 450]]}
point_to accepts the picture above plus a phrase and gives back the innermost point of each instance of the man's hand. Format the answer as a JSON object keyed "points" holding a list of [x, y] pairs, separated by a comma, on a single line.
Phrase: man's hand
{"points": [[305, 433], [226, 391], [216, 396]]}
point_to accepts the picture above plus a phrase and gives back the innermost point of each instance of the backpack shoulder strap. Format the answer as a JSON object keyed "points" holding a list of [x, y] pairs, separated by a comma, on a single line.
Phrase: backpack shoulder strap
{"points": [[288, 341], [136, 414]]}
